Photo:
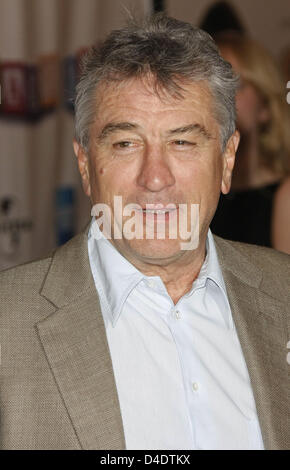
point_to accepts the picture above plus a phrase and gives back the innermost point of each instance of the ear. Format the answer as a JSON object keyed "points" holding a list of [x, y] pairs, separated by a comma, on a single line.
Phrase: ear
{"points": [[83, 164], [229, 156]]}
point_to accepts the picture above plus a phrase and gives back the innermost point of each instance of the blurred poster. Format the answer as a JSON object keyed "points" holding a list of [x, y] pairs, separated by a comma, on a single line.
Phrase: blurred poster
{"points": [[42, 203]]}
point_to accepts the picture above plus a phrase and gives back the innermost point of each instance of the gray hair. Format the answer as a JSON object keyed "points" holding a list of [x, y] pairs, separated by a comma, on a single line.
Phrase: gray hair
{"points": [[171, 51]]}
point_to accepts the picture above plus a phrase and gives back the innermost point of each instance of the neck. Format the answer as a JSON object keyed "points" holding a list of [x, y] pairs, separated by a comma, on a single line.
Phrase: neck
{"points": [[178, 278], [177, 274]]}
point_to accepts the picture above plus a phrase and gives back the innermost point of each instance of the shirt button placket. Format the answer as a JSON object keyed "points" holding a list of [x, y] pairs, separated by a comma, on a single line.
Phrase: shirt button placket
{"points": [[177, 314], [195, 386]]}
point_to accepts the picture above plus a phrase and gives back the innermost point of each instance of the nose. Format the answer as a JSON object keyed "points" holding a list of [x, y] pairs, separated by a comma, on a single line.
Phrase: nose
{"points": [[155, 173]]}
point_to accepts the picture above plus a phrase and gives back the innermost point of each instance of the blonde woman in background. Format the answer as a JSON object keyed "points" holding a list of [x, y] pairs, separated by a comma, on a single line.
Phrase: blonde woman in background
{"points": [[257, 210]]}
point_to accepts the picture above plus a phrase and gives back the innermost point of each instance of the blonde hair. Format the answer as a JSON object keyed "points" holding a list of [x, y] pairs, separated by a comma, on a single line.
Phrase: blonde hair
{"points": [[259, 68]]}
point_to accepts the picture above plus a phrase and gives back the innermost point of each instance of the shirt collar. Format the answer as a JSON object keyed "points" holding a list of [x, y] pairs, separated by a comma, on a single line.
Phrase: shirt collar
{"points": [[115, 277], [211, 267], [211, 271]]}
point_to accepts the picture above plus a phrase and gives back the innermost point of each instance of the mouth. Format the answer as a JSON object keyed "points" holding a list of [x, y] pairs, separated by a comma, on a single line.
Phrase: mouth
{"points": [[158, 212], [158, 208]]}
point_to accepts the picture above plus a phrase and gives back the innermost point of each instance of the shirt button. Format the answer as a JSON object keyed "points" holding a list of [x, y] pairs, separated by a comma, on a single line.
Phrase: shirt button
{"points": [[151, 283], [177, 314], [195, 386]]}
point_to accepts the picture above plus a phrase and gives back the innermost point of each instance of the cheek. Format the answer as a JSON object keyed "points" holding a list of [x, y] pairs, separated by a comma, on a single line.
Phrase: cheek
{"points": [[211, 184], [201, 182], [99, 182], [114, 180]]}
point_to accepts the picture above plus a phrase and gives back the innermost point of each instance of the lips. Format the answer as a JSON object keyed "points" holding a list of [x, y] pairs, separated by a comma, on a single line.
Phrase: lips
{"points": [[158, 212], [158, 208]]}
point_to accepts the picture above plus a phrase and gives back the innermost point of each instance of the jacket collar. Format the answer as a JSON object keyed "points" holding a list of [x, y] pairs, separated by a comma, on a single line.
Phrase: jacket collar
{"points": [[70, 265], [244, 270]]}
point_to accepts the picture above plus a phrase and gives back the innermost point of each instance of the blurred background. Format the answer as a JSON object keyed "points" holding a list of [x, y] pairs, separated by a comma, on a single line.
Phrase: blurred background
{"points": [[41, 43]]}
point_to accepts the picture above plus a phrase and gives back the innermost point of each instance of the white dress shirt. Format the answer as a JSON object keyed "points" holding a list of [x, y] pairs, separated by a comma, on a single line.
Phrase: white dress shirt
{"points": [[180, 373]]}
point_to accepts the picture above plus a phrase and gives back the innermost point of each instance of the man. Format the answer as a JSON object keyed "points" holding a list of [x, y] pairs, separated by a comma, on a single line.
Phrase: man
{"points": [[149, 342]]}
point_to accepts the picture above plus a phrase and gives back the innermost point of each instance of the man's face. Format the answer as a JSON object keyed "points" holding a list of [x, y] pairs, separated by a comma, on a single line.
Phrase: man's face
{"points": [[156, 150]]}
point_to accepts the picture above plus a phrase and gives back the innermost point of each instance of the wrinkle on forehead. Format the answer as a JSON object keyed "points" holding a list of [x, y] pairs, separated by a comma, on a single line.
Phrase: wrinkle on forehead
{"points": [[152, 87]]}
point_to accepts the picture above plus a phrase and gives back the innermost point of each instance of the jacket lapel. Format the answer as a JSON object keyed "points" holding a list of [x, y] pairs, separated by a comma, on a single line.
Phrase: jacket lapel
{"points": [[258, 317], [75, 344]]}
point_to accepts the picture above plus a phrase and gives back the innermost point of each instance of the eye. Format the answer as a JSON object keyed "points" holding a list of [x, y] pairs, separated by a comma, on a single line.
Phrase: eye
{"points": [[123, 144], [126, 147], [183, 143]]}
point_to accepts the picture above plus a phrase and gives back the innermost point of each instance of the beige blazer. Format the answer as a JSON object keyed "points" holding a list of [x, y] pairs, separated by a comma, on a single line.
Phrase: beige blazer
{"points": [[57, 387]]}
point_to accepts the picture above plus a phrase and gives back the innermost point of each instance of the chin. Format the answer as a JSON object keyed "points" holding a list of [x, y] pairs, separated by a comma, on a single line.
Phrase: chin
{"points": [[153, 250]]}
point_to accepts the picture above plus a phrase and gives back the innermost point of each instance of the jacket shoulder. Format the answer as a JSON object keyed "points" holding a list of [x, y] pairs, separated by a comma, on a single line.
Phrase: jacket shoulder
{"points": [[26, 275], [20, 287], [264, 258]]}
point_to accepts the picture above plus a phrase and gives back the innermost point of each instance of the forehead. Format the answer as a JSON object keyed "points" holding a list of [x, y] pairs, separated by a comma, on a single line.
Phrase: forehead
{"points": [[138, 98]]}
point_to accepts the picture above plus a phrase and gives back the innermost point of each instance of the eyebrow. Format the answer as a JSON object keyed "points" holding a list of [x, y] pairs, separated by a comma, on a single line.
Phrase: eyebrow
{"points": [[112, 127], [198, 128], [116, 126]]}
